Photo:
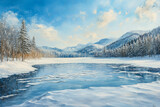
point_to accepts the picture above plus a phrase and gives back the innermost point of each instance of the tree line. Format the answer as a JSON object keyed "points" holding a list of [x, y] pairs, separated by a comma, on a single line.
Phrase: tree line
{"points": [[15, 43], [147, 44]]}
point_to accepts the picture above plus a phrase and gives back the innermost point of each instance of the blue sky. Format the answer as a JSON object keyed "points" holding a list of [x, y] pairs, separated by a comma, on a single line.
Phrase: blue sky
{"points": [[63, 23]]}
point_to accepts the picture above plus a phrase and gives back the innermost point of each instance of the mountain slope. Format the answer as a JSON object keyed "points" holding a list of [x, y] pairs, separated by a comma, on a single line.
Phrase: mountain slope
{"points": [[103, 42], [90, 50], [129, 36], [46, 48], [97, 46], [76, 48]]}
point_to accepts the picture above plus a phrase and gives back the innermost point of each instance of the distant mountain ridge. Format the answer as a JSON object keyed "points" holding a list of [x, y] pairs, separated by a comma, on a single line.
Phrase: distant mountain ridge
{"points": [[97, 46], [76, 48], [79, 49], [50, 48], [125, 39], [92, 48], [104, 41], [139, 32]]}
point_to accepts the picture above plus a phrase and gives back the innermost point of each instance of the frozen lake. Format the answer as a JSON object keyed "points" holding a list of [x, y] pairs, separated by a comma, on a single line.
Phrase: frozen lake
{"points": [[82, 85]]}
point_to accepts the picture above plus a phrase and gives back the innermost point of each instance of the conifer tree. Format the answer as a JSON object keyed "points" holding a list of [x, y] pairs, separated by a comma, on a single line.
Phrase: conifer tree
{"points": [[33, 43], [24, 41]]}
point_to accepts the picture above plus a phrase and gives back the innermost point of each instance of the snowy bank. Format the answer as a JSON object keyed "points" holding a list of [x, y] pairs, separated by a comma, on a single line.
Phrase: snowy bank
{"points": [[139, 95], [14, 67], [17, 67]]}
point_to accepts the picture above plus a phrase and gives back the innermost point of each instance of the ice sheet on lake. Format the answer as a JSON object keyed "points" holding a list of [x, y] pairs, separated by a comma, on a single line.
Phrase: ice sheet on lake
{"points": [[139, 95]]}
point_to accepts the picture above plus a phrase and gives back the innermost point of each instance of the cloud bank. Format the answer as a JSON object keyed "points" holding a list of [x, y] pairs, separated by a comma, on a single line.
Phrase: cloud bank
{"points": [[147, 11], [106, 18]]}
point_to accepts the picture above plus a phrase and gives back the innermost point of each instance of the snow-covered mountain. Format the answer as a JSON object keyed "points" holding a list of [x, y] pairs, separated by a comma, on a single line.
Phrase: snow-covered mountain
{"points": [[125, 39], [79, 50], [49, 51], [155, 31], [129, 34], [46, 48], [56, 52], [103, 42], [100, 44], [92, 48], [97, 46], [76, 48]]}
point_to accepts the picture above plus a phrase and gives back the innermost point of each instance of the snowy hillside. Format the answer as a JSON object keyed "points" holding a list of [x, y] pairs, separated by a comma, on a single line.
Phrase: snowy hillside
{"points": [[125, 39], [90, 50], [50, 52], [50, 49], [103, 42], [76, 48], [79, 47], [155, 31], [97, 46], [56, 52], [128, 34]]}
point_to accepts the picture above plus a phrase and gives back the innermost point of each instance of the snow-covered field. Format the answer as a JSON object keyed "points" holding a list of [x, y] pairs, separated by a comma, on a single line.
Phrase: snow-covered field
{"points": [[17, 67]]}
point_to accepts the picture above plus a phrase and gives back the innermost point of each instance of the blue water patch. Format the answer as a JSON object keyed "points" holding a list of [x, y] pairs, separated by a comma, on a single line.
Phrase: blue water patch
{"points": [[19, 88]]}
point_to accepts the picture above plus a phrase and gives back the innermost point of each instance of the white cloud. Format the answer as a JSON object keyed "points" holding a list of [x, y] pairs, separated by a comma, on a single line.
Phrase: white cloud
{"points": [[91, 35], [106, 18], [95, 11], [46, 32], [104, 3], [121, 24], [81, 39], [11, 18], [82, 13], [150, 3], [73, 40], [127, 19], [78, 28], [147, 11]]}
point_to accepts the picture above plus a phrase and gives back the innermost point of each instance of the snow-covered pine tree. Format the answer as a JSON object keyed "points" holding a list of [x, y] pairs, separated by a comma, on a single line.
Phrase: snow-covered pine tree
{"points": [[24, 41], [141, 47], [33, 43], [3, 35], [13, 42], [149, 45], [154, 45], [2, 40], [104, 51], [158, 43]]}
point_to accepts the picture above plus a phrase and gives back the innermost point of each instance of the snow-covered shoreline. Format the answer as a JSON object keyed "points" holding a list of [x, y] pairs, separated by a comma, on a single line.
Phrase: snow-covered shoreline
{"points": [[18, 67]]}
